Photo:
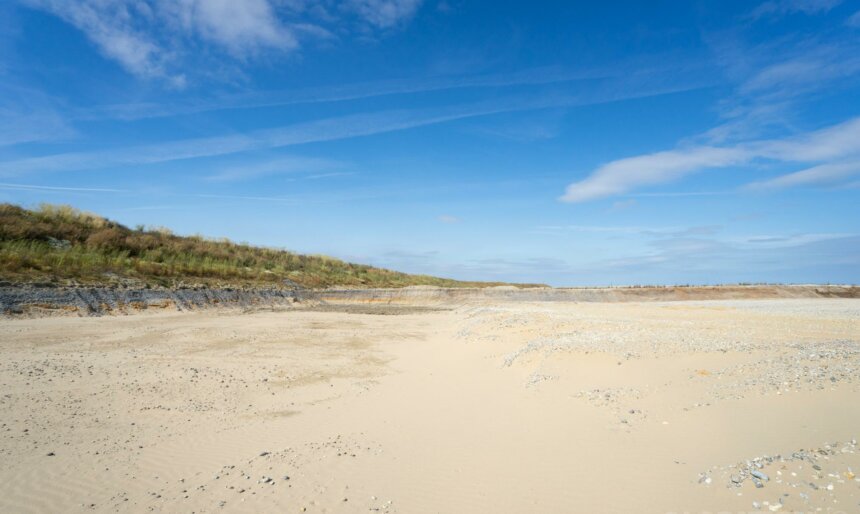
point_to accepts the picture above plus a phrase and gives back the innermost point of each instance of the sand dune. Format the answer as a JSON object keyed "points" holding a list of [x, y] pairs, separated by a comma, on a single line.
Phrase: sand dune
{"points": [[473, 407]]}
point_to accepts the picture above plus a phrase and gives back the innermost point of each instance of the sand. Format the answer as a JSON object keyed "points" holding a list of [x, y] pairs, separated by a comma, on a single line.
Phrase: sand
{"points": [[496, 408]]}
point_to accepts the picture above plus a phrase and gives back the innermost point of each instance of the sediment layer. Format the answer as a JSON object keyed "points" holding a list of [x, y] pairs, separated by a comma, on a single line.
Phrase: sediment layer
{"points": [[47, 300]]}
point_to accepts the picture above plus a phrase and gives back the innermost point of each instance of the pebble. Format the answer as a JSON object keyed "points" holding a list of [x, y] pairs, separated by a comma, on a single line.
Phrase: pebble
{"points": [[760, 475]]}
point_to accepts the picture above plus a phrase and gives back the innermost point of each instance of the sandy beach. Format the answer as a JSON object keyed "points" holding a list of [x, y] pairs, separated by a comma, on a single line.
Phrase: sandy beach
{"points": [[699, 406]]}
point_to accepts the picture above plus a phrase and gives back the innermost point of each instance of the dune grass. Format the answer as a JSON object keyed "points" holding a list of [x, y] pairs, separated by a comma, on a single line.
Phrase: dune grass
{"points": [[64, 245]]}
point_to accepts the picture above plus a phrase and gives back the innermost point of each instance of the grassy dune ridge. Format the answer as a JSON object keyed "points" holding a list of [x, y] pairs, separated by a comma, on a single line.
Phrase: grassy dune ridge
{"points": [[58, 243]]}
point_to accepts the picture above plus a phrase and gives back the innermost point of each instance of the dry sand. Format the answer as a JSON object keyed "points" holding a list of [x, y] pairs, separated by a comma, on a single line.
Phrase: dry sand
{"points": [[497, 408]]}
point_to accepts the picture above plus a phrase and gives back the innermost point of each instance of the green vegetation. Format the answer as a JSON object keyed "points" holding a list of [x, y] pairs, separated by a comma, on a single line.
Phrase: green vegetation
{"points": [[64, 245]]}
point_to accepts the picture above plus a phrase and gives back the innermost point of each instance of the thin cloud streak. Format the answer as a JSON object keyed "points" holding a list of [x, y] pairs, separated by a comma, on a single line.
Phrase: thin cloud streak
{"points": [[30, 187], [35, 188], [279, 166], [27, 115], [330, 129], [772, 78], [670, 194], [528, 77]]}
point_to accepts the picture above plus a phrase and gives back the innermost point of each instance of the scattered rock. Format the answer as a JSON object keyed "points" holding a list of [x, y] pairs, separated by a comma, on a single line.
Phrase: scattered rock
{"points": [[759, 475]]}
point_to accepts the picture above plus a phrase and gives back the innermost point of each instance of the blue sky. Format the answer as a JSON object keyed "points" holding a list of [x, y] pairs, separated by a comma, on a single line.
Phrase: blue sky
{"points": [[569, 143]]}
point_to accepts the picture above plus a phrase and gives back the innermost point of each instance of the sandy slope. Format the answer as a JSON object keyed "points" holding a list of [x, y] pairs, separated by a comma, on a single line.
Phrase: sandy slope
{"points": [[514, 407]]}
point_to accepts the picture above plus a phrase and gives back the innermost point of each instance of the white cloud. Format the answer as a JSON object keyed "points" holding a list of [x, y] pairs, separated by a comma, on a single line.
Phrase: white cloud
{"points": [[384, 13], [825, 144], [447, 218], [161, 38], [240, 27], [853, 20], [823, 174], [624, 175], [113, 27]]}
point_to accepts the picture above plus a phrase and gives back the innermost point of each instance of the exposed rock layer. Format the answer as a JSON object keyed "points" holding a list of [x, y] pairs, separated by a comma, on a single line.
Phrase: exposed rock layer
{"points": [[44, 300], [37, 300]]}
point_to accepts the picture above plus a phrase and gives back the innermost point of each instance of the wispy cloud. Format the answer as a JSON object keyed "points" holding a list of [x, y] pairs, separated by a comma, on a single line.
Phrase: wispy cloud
{"points": [[277, 199], [384, 13], [291, 200], [625, 175], [770, 80], [783, 7], [333, 174], [631, 230], [543, 125], [329, 129], [242, 28], [447, 218], [279, 166], [774, 77], [683, 259], [795, 76], [114, 28], [788, 241], [159, 38], [308, 132], [23, 126], [31, 187], [639, 75], [680, 194], [814, 257], [824, 174], [27, 116]]}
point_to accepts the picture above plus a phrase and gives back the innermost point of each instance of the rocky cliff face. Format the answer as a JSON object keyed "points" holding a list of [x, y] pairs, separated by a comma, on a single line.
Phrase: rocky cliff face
{"points": [[42, 300]]}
